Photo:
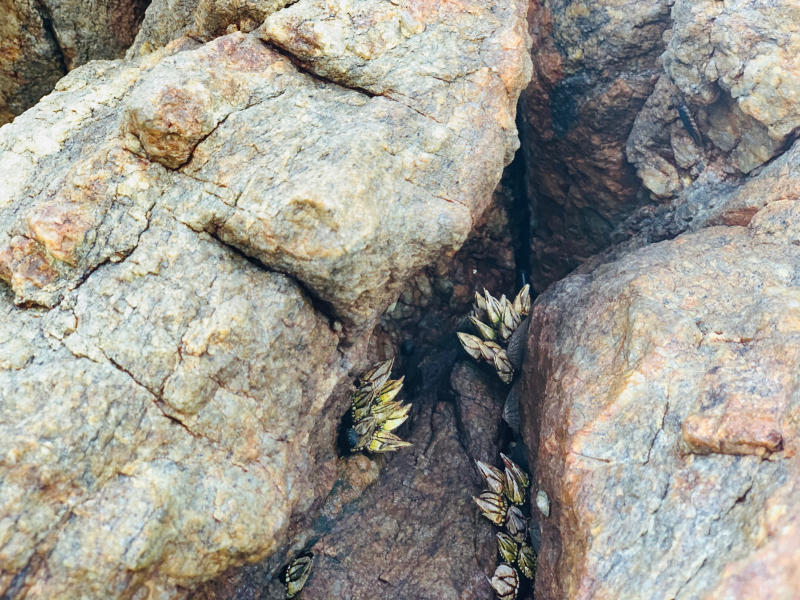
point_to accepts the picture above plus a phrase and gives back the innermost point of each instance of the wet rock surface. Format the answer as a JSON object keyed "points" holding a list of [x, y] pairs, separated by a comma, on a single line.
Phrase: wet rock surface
{"points": [[661, 397], [40, 41], [197, 245]]}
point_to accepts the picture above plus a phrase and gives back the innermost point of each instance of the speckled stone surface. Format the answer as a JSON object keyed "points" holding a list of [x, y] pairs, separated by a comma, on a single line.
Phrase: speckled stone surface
{"points": [[661, 402], [195, 247], [40, 41]]}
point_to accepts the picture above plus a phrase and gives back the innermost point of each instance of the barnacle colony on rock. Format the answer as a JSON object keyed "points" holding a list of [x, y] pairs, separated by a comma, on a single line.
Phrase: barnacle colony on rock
{"points": [[498, 323], [500, 504], [376, 413], [297, 574]]}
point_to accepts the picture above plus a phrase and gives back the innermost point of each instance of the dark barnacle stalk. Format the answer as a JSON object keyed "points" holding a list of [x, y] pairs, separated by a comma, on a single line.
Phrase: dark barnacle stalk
{"points": [[376, 413]]}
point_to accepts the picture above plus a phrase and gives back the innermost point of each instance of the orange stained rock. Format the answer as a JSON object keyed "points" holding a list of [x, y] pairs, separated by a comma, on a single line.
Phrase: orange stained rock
{"points": [[732, 433], [22, 262], [61, 229]]}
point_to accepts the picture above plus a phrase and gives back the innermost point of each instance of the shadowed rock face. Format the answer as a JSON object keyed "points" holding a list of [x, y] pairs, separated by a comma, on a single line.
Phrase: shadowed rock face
{"points": [[196, 246], [635, 107], [662, 398], [40, 40], [595, 64], [415, 533]]}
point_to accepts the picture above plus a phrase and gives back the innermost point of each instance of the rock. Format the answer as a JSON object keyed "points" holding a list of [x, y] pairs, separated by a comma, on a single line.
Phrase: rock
{"points": [[416, 533], [659, 398], [419, 329], [595, 64], [729, 69], [197, 245], [167, 20], [41, 41], [633, 106]]}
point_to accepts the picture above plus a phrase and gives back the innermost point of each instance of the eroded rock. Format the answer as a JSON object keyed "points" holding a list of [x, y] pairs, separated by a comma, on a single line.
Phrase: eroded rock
{"points": [[662, 396], [595, 64], [635, 106], [40, 41], [197, 246]]}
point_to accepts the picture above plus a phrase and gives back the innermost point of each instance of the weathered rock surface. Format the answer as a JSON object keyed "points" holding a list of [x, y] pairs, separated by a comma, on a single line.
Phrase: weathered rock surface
{"points": [[634, 106], [416, 532], [197, 245], [662, 398], [41, 40], [166, 20], [419, 329]]}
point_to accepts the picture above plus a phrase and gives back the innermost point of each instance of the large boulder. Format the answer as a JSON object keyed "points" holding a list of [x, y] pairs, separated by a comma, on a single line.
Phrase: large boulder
{"points": [[197, 244], [661, 403]]}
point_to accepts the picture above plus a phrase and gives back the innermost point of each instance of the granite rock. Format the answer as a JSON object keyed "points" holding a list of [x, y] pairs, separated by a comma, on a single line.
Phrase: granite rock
{"points": [[41, 40], [726, 103], [661, 404], [197, 244]]}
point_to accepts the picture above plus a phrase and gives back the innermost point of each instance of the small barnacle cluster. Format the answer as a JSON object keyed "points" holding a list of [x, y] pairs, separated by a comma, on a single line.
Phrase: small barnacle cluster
{"points": [[501, 505], [500, 335], [297, 573], [376, 413]]}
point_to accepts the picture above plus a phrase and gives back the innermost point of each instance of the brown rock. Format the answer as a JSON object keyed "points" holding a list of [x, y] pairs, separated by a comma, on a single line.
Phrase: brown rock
{"points": [[41, 41], [659, 395], [595, 63], [167, 20]]}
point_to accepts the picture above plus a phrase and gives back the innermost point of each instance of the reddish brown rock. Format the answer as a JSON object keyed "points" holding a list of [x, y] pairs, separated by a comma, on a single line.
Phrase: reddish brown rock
{"points": [[595, 64], [660, 403]]}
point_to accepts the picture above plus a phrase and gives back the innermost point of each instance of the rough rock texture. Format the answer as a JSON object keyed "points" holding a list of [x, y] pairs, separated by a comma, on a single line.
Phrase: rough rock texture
{"points": [[733, 67], [662, 398], [416, 533], [197, 245], [411, 529], [634, 106], [40, 40], [595, 64], [166, 20], [418, 329]]}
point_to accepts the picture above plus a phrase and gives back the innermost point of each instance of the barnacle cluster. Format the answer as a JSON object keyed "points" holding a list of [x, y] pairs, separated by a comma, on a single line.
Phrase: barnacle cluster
{"points": [[496, 322], [376, 413], [297, 574], [501, 505]]}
